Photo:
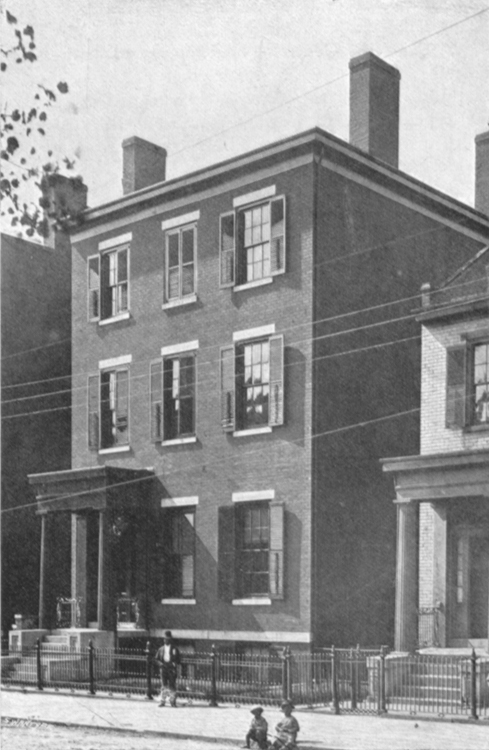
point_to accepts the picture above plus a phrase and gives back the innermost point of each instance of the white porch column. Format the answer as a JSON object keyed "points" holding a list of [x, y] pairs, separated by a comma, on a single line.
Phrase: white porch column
{"points": [[79, 565], [406, 624]]}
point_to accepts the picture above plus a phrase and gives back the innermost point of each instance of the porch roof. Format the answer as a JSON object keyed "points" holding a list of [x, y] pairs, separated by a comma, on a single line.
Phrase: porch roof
{"points": [[440, 476]]}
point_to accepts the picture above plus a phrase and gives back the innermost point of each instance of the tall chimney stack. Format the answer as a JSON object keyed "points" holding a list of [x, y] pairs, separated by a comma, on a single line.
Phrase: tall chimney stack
{"points": [[482, 172], [374, 107], [143, 164]]}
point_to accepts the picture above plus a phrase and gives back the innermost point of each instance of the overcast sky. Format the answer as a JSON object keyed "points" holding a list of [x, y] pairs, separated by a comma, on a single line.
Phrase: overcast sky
{"points": [[209, 79]]}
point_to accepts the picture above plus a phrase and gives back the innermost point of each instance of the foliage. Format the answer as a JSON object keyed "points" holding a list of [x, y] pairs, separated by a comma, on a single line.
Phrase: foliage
{"points": [[25, 161]]}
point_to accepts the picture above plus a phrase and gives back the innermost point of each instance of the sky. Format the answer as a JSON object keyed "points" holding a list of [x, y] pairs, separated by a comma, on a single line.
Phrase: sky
{"points": [[210, 79]]}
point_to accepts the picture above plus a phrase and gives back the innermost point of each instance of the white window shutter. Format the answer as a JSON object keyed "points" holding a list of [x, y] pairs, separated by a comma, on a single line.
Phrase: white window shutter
{"points": [[456, 391], [276, 550], [228, 388], [94, 287], [227, 235], [156, 400], [277, 236], [276, 397]]}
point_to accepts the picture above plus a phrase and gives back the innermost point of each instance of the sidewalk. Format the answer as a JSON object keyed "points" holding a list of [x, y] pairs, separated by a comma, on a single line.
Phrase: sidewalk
{"points": [[319, 729]]}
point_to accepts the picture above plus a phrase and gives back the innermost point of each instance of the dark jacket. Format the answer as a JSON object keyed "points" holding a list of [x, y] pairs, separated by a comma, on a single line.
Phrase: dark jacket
{"points": [[174, 656]]}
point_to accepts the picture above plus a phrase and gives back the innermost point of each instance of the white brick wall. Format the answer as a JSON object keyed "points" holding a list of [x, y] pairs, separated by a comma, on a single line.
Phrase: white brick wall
{"points": [[435, 437]]}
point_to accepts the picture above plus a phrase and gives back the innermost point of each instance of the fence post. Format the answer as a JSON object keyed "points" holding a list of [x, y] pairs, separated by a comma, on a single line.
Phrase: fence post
{"points": [[147, 652], [354, 656], [286, 656], [38, 664], [334, 681], [382, 704], [473, 685], [213, 701], [91, 678]]}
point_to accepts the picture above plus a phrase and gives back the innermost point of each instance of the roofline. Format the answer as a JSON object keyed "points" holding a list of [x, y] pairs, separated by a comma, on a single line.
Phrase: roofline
{"points": [[455, 308], [306, 139], [433, 461]]}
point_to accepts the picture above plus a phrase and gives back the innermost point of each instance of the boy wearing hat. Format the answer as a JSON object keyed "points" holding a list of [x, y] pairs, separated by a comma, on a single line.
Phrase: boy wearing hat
{"points": [[286, 729], [167, 658], [258, 729]]}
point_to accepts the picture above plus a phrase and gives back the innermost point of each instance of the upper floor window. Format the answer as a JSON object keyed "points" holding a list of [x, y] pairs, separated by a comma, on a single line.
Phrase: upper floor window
{"points": [[180, 263], [178, 553], [467, 390], [172, 397], [108, 284], [252, 243], [108, 408], [252, 382]]}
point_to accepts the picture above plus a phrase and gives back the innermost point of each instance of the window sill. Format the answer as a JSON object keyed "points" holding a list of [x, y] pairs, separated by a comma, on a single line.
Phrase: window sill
{"points": [[115, 449], [253, 284], [483, 427], [180, 441], [253, 601], [253, 431], [115, 319], [179, 601], [179, 302]]}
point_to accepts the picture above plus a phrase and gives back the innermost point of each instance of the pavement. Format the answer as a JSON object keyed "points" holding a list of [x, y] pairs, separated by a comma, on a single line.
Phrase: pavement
{"points": [[320, 730]]}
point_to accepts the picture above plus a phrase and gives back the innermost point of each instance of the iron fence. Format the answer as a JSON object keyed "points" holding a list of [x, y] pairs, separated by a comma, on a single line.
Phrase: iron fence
{"points": [[344, 680]]}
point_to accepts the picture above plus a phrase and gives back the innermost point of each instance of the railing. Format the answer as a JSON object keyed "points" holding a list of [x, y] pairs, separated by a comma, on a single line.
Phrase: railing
{"points": [[343, 680], [68, 614]]}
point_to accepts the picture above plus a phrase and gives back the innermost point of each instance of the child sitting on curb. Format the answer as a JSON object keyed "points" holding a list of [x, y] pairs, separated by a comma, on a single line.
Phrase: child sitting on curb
{"points": [[286, 729], [258, 729]]}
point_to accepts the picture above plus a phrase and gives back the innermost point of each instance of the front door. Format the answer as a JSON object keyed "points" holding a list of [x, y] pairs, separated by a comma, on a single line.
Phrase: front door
{"points": [[469, 600]]}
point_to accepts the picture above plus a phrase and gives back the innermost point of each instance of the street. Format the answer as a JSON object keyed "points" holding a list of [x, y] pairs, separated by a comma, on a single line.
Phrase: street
{"points": [[22, 734]]}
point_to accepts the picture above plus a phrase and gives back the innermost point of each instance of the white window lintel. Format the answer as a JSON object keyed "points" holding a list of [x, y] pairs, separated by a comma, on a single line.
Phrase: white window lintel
{"points": [[105, 364], [175, 502], [178, 221], [121, 239], [256, 195], [242, 497], [187, 346], [254, 333]]}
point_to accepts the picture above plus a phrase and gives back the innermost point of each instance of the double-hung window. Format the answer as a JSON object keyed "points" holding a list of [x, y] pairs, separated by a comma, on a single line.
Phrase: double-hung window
{"points": [[251, 548], [108, 281], [178, 553], [252, 375], [252, 241], [172, 394], [180, 285], [108, 406], [467, 386]]}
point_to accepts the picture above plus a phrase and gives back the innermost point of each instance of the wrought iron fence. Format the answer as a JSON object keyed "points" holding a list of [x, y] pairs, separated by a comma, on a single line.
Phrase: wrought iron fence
{"points": [[344, 680]]}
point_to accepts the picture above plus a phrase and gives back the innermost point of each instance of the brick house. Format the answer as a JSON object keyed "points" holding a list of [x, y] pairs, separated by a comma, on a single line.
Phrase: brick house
{"points": [[230, 402], [443, 494]]}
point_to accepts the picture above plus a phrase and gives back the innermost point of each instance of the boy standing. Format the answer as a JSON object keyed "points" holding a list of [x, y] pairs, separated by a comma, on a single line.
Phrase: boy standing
{"points": [[258, 729]]}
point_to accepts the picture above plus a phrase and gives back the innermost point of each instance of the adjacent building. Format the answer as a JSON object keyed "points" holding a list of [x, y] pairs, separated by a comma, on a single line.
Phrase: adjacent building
{"points": [[243, 353]]}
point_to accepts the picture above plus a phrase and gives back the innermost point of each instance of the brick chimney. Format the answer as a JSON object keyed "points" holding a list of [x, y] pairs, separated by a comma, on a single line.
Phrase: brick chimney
{"points": [[374, 107], [143, 164], [482, 172]]}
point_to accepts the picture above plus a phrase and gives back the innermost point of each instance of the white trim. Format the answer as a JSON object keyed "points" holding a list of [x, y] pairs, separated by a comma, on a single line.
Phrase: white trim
{"points": [[122, 239], [242, 497], [115, 318], [178, 221], [115, 449], [254, 333], [188, 346], [179, 601], [256, 195], [180, 441], [252, 601], [180, 301], [264, 636], [255, 431], [252, 284], [175, 502], [104, 364]]}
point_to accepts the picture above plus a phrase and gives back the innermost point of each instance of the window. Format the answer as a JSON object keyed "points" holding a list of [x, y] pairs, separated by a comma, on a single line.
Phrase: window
{"points": [[178, 553], [467, 391], [252, 384], [251, 554], [172, 398], [108, 409], [108, 284], [253, 243], [180, 263]]}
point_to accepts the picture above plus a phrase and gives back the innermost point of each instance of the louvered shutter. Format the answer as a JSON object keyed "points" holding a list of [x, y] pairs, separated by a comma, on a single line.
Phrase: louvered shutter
{"points": [[228, 389], [276, 553], [94, 287], [105, 287], [276, 397], [93, 412], [156, 400], [277, 236], [226, 552], [227, 249], [456, 387]]}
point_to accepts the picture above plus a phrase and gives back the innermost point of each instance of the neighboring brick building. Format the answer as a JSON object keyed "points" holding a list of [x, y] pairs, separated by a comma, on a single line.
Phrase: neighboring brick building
{"points": [[36, 402], [443, 494], [243, 349]]}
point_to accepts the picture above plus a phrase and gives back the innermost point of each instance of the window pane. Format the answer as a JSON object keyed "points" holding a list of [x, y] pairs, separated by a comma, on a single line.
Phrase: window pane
{"points": [[172, 250], [122, 265], [188, 279], [173, 283], [187, 246]]}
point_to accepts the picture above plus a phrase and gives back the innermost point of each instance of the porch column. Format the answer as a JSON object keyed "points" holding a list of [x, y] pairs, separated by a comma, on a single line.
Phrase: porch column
{"points": [[406, 625], [42, 574], [440, 568], [101, 598], [79, 566]]}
